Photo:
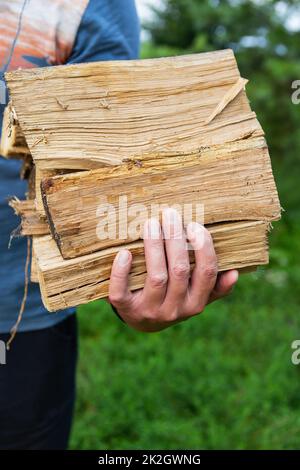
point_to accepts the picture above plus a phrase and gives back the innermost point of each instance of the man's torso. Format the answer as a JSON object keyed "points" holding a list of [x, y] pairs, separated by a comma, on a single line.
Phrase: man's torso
{"points": [[35, 34]]}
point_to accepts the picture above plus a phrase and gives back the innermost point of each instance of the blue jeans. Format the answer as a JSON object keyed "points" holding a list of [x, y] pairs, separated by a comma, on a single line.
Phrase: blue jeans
{"points": [[37, 388]]}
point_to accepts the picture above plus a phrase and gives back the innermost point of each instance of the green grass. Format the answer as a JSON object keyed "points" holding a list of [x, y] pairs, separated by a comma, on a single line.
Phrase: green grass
{"points": [[218, 381]]}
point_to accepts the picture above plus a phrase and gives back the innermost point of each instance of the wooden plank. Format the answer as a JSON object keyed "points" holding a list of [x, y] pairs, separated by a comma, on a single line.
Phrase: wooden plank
{"points": [[68, 283], [232, 181], [13, 143], [85, 116]]}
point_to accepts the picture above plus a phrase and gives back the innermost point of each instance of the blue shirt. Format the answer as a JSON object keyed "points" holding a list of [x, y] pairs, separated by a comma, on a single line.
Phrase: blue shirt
{"points": [[109, 29]]}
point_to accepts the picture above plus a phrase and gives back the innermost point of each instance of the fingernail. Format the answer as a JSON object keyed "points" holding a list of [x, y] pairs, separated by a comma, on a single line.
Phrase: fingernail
{"points": [[234, 276], [195, 228], [123, 258], [195, 233], [171, 215], [172, 224]]}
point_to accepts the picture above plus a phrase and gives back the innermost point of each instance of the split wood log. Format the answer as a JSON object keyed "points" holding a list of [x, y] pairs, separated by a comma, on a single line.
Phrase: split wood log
{"points": [[41, 174], [32, 223], [31, 184], [85, 116], [34, 277], [174, 130], [88, 211], [13, 143], [68, 283]]}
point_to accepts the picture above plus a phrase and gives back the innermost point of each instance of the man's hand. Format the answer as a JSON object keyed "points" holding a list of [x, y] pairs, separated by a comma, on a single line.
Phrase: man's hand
{"points": [[171, 293]]}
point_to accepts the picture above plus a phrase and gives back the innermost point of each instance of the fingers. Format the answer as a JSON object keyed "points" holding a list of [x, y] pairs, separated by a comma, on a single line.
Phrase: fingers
{"points": [[119, 293], [177, 257], [205, 271], [157, 273], [170, 293], [224, 285]]}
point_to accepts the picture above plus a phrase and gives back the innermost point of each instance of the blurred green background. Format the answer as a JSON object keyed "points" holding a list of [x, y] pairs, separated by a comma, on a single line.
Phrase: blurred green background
{"points": [[223, 380]]}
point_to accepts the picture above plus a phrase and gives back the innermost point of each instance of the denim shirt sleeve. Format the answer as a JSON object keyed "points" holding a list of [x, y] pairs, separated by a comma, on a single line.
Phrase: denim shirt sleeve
{"points": [[109, 30]]}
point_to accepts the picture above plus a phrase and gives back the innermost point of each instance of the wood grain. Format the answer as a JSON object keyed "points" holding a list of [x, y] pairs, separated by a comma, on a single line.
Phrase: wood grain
{"points": [[12, 143], [41, 174], [67, 283], [89, 115], [32, 223], [172, 130], [233, 181]]}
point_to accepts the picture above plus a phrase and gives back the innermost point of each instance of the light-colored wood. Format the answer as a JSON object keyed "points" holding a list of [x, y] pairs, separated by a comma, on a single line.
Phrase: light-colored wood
{"points": [[41, 174], [228, 97], [85, 116], [32, 223], [68, 283], [34, 277], [173, 130], [13, 143], [232, 181], [31, 184]]}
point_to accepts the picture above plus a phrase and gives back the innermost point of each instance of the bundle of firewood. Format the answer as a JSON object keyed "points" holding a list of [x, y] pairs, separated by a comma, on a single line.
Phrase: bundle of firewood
{"points": [[174, 131]]}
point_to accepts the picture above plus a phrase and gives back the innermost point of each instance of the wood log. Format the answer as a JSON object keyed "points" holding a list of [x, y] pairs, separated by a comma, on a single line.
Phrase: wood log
{"points": [[31, 184], [32, 223], [21, 207], [34, 277], [13, 143], [85, 116], [174, 130], [68, 283], [41, 174], [232, 181]]}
